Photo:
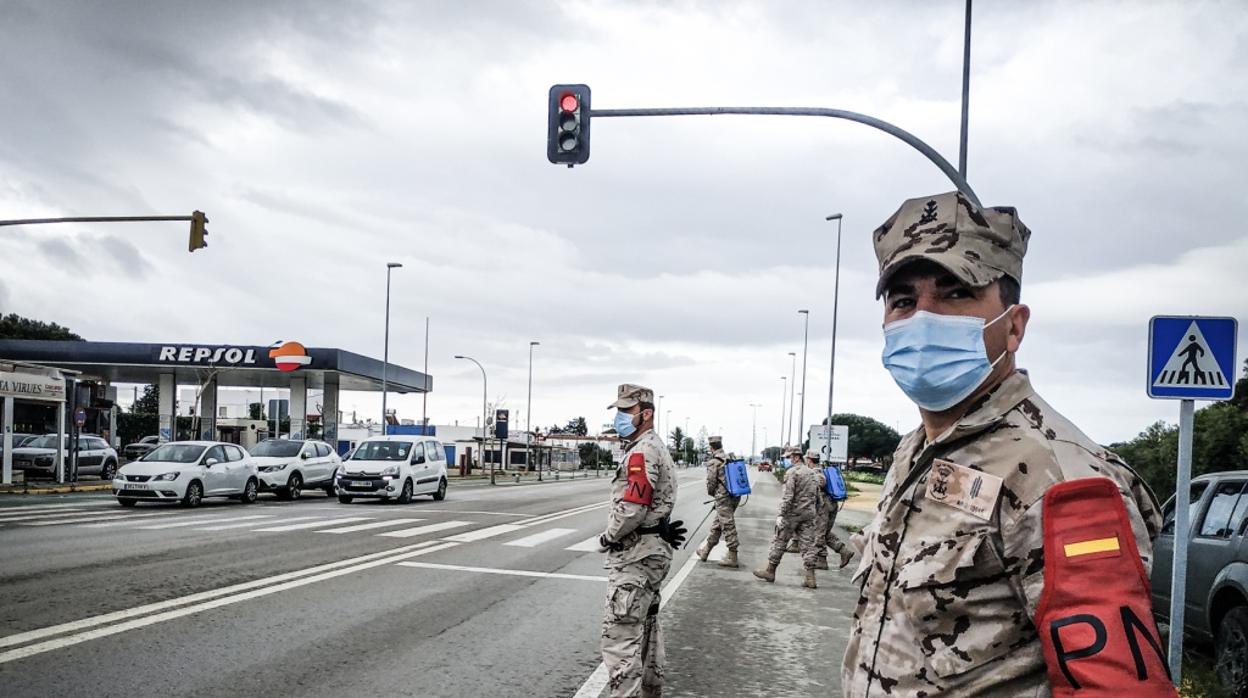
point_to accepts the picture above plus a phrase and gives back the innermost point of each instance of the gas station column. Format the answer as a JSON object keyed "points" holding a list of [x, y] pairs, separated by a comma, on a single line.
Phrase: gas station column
{"points": [[208, 411], [166, 387], [6, 470], [329, 411], [298, 408]]}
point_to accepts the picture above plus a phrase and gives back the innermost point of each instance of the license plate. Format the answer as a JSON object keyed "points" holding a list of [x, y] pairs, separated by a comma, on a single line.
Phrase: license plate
{"points": [[136, 486], [363, 484]]}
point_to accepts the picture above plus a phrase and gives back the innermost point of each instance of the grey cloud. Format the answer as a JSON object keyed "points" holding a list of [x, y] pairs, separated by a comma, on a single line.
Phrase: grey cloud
{"points": [[61, 252]]}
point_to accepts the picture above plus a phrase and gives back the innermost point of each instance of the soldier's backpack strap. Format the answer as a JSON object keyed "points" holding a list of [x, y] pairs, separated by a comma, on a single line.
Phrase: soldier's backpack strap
{"points": [[1095, 615]]}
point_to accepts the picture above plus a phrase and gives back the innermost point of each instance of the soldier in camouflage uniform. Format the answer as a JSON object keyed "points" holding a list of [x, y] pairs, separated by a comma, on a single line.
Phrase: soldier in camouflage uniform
{"points": [[797, 520], [954, 562], [825, 520], [639, 554], [725, 506]]}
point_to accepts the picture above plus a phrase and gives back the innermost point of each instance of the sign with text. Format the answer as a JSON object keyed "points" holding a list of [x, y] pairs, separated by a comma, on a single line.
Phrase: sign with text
{"points": [[31, 386], [832, 444]]}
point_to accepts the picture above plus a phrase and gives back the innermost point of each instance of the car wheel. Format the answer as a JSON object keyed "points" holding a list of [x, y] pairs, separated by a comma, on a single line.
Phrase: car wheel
{"points": [[441, 493], [294, 487], [194, 494], [127, 502], [249, 492], [1230, 650], [405, 497], [345, 499], [109, 470]]}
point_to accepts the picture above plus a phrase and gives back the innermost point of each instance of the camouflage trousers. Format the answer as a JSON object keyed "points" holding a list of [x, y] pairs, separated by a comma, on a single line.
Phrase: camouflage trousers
{"points": [[725, 523], [804, 531], [825, 533], [632, 643]]}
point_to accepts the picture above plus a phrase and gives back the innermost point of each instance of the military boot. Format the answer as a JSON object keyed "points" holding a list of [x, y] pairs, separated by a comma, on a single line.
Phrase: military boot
{"points": [[767, 574], [809, 580], [846, 556], [821, 563], [704, 551], [730, 559]]}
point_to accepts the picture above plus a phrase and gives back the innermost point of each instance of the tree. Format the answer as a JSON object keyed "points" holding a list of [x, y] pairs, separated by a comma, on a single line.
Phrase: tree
{"points": [[255, 411], [772, 453], [148, 402], [1219, 442], [690, 452], [575, 427], [14, 326], [678, 439], [868, 438]]}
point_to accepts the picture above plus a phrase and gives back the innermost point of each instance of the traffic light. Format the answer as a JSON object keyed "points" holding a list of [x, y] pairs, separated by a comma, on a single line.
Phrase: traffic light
{"points": [[567, 128], [199, 231]]}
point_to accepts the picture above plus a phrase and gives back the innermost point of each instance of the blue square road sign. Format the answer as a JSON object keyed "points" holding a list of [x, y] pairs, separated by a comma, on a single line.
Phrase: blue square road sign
{"points": [[1191, 358]]}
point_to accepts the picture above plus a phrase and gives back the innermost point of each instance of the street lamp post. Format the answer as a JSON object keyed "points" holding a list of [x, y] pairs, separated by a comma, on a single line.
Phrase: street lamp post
{"points": [[385, 359], [754, 430], [784, 395], [801, 410], [788, 433], [484, 412], [657, 411], [528, 420], [836, 299]]}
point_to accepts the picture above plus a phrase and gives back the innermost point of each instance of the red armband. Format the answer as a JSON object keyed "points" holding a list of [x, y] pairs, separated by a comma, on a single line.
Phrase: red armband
{"points": [[637, 489], [1095, 616]]}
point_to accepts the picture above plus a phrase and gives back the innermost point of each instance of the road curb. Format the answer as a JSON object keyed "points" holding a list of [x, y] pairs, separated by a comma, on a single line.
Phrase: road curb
{"points": [[55, 489]]}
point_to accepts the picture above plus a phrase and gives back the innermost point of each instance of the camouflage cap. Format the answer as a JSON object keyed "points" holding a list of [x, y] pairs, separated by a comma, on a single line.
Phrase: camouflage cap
{"points": [[630, 395], [715, 439], [977, 245], [813, 455]]}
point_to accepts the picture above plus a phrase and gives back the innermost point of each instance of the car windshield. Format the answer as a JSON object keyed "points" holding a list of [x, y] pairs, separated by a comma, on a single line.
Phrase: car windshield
{"points": [[382, 450], [150, 439], [45, 441], [274, 448], [175, 453]]}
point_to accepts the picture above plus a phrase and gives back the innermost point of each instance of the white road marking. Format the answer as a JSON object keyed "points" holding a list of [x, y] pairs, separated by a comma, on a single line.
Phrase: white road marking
{"points": [[597, 681], [123, 522], [588, 545], [483, 533], [198, 521], [423, 510], [313, 524], [64, 514], [370, 526], [538, 538], [113, 521], [79, 519], [226, 527], [59, 643], [514, 573], [563, 514], [419, 530], [54, 507]]}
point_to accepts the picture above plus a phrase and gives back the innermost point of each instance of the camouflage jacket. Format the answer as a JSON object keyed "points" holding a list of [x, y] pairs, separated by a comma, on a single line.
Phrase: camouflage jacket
{"points": [[716, 483], [800, 496], [948, 597], [624, 517]]}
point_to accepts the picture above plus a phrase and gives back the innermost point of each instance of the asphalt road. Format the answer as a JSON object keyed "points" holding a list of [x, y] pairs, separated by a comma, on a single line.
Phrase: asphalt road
{"points": [[493, 592]]}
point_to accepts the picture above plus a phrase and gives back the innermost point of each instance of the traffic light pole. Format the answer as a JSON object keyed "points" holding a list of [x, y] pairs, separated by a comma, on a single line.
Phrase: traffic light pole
{"points": [[195, 244], [905, 136]]}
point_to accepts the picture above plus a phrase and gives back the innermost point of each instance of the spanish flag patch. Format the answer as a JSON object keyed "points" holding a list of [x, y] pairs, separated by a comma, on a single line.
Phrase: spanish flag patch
{"points": [[1096, 545]]}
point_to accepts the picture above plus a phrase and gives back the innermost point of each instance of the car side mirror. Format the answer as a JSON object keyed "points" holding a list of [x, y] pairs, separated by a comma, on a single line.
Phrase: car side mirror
{"points": [[211, 462], [305, 455]]}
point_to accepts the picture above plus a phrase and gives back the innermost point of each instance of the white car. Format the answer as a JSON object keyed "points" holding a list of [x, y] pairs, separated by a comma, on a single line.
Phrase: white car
{"points": [[394, 467], [186, 472], [288, 467], [37, 457]]}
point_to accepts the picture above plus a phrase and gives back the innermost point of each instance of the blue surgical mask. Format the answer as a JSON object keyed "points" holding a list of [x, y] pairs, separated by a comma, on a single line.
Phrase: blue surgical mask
{"points": [[624, 424], [938, 360]]}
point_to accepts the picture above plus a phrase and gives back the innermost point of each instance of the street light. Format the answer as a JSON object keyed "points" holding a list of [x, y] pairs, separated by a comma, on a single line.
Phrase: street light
{"points": [[836, 298], [801, 410], [784, 394], [657, 410], [754, 430], [385, 360], [528, 420], [484, 412], [792, 391]]}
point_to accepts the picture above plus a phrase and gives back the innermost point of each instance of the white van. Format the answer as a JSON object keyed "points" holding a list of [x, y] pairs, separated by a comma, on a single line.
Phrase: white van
{"points": [[393, 467]]}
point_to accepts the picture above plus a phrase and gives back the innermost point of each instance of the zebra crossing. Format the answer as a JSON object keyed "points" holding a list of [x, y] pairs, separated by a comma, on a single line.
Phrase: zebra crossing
{"points": [[465, 526]]}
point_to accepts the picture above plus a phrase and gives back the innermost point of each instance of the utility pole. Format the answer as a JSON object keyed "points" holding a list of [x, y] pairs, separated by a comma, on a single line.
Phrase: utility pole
{"points": [[966, 90], [424, 396], [385, 360], [528, 419], [788, 433], [784, 395], [754, 430], [801, 414], [836, 300]]}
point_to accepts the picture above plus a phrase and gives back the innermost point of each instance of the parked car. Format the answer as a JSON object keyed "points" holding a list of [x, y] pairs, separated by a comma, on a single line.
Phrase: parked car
{"points": [[393, 467], [37, 458], [19, 440], [141, 447], [186, 472], [764, 466], [288, 467], [1216, 603]]}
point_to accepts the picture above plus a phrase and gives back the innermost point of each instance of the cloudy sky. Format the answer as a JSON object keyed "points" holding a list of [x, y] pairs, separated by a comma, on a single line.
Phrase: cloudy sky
{"points": [[326, 139]]}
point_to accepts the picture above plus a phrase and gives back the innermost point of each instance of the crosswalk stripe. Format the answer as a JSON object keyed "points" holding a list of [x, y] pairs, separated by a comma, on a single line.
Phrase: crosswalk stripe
{"points": [[370, 526], [111, 520], [77, 519], [197, 521], [514, 573], [225, 527], [14, 518], [163, 514], [538, 538], [483, 533], [5, 511], [585, 546], [431, 528], [310, 524]]}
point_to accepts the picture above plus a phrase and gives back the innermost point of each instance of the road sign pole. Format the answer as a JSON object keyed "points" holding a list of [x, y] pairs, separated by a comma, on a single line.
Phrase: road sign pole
{"points": [[1182, 501]]}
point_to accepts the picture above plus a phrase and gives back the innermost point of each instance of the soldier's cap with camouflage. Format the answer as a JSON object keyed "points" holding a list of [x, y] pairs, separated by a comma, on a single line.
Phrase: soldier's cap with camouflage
{"points": [[630, 395], [977, 245], [716, 439]]}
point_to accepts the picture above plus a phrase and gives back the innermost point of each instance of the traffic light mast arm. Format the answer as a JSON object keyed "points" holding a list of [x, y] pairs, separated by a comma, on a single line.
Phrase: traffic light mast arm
{"points": [[93, 219], [905, 136]]}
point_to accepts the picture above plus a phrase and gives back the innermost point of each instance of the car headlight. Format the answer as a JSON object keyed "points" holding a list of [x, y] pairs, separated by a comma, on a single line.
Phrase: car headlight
{"points": [[166, 477], [119, 476], [274, 468], [392, 470]]}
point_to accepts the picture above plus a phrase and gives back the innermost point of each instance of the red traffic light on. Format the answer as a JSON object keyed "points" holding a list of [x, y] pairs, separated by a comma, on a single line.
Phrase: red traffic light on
{"points": [[567, 125]]}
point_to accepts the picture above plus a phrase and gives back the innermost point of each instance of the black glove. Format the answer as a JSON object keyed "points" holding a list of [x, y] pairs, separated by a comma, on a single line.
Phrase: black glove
{"points": [[604, 545], [674, 533]]}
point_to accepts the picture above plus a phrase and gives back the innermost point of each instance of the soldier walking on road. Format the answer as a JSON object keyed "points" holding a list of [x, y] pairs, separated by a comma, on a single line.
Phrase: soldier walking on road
{"points": [[638, 541], [826, 509], [1009, 555], [725, 506], [797, 519]]}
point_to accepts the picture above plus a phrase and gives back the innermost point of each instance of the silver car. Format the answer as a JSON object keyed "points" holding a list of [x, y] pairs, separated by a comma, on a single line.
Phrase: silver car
{"points": [[38, 457]]}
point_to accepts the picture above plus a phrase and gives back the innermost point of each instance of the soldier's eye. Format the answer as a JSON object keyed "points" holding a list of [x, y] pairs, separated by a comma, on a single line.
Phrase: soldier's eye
{"points": [[900, 303]]}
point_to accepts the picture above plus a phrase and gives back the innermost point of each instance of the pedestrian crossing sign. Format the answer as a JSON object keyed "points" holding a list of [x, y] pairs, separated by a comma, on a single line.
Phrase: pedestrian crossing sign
{"points": [[1191, 358]]}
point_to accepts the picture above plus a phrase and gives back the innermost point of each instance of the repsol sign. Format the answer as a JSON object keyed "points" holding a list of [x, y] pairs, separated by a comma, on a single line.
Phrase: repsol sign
{"points": [[183, 354]]}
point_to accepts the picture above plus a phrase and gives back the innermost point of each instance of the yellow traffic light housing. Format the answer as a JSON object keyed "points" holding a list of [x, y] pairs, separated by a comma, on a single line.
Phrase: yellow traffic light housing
{"points": [[199, 231]]}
